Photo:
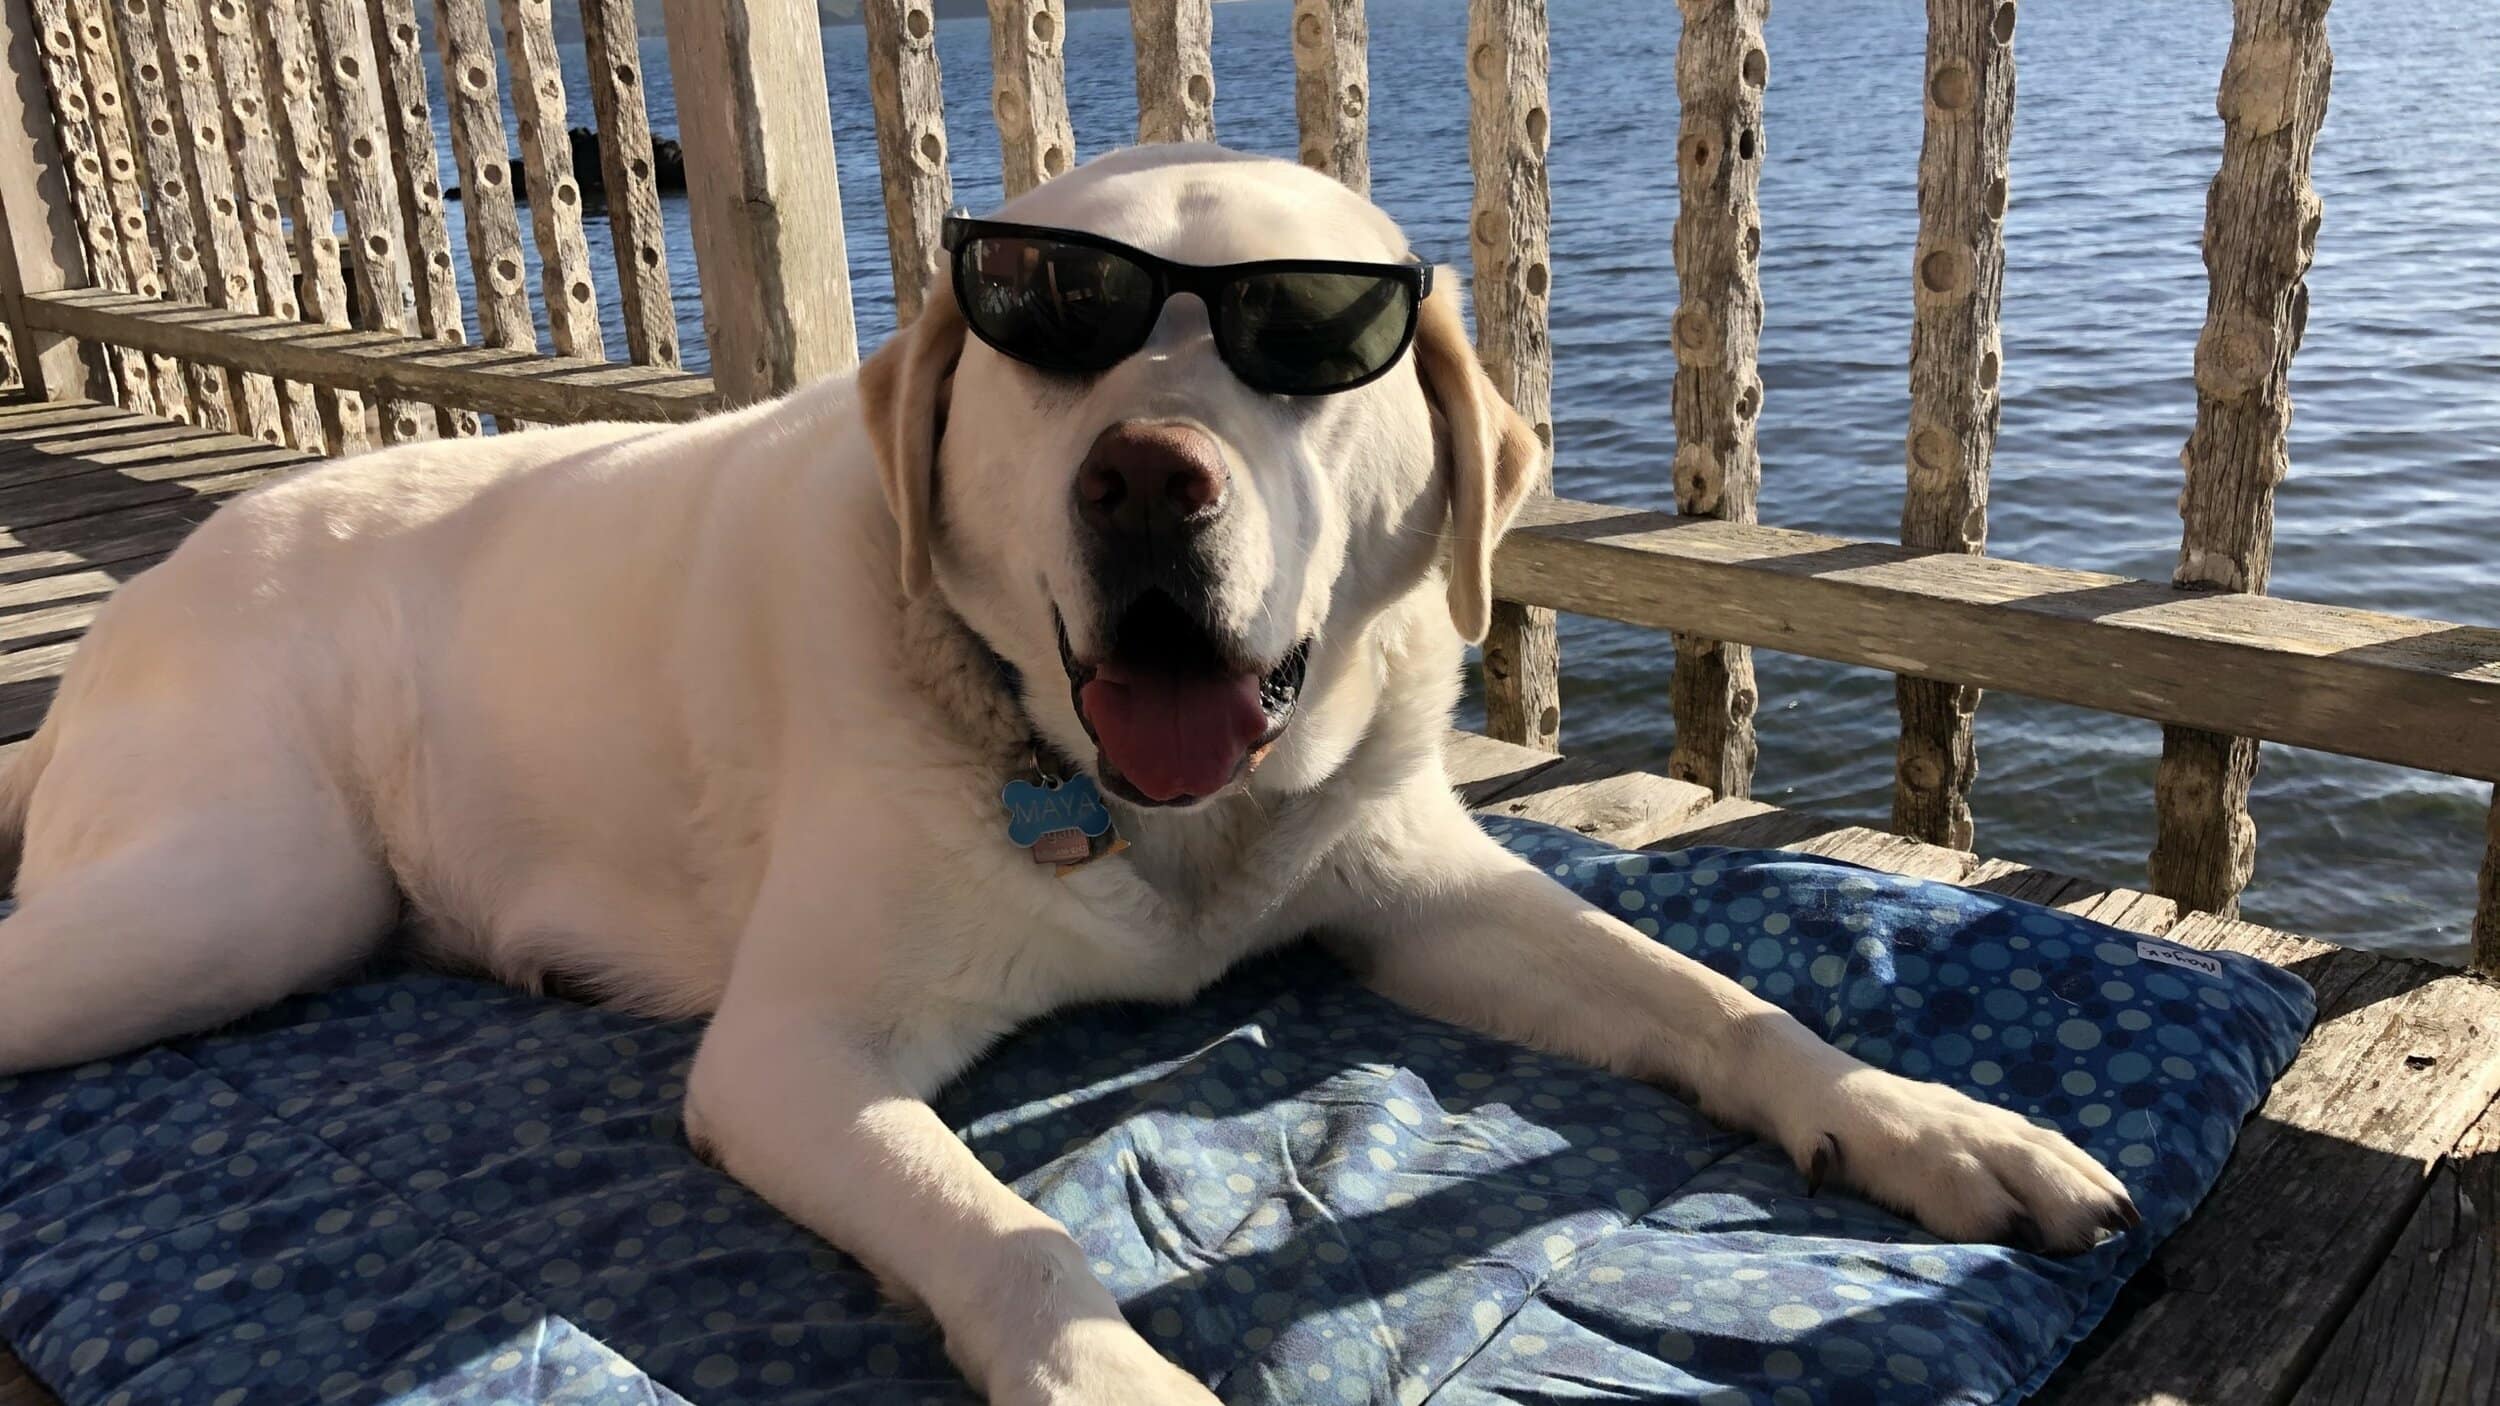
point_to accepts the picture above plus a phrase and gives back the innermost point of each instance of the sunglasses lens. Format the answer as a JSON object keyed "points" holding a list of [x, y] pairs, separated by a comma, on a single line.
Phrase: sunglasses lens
{"points": [[1059, 306], [1308, 333]]}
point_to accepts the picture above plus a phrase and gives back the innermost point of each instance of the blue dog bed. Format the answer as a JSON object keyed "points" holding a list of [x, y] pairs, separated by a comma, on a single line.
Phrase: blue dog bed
{"points": [[424, 1189]]}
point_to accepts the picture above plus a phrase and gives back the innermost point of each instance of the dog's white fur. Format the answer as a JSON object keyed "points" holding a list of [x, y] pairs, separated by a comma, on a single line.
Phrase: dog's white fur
{"points": [[690, 716]]}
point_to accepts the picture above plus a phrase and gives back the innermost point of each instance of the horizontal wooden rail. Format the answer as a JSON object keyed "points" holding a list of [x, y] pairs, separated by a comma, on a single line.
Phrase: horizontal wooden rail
{"points": [[490, 380], [2417, 693]]}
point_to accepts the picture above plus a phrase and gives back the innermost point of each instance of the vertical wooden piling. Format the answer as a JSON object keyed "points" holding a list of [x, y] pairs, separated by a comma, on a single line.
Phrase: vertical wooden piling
{"points": [[123, 193], [2487, 910], [491, 220], [1957, 273], [236, 74], [1029, 91], [289, 74], [572, 302], [2261, 228], [1721, 68], [82, 152], [1332, 88], [216, 209], [1508, 129], [758, 132], [1175, 42], [179, 239], [612, 47], [42, 250], [910, 106], [399, 51], [368, 194]]}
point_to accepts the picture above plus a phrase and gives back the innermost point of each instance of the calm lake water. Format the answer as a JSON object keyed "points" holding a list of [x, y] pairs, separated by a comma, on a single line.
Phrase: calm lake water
{"points": [[2395, 447]]}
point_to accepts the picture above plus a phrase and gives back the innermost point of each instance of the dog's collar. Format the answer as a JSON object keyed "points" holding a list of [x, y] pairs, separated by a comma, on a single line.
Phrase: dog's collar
{"points": [[1055, 812]]}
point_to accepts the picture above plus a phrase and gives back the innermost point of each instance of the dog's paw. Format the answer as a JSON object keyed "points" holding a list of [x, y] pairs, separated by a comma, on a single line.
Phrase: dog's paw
{"points": [[1965, 1170], [1097, 1363]]}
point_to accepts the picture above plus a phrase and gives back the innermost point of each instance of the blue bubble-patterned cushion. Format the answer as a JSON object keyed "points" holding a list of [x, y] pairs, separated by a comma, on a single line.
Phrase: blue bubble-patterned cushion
{"points": [[423, 1189]]}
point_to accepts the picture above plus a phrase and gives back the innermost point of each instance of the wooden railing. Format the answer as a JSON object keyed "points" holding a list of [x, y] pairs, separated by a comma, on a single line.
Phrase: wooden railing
{"points": [[170, 171]]}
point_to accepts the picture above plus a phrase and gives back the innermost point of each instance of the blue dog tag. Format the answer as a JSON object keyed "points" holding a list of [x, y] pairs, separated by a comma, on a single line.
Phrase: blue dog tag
{"points": [[1063, 823]]}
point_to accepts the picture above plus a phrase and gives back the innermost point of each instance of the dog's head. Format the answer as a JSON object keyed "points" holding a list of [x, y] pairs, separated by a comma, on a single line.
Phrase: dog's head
{"points": [[1191, 554]]}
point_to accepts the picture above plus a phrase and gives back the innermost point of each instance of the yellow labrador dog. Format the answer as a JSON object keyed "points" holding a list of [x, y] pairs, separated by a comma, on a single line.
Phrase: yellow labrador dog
{"points": [[1170, 524]]}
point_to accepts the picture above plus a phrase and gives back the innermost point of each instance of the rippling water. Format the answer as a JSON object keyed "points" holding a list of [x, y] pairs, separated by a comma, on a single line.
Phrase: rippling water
{"points": [[2395, 446]]}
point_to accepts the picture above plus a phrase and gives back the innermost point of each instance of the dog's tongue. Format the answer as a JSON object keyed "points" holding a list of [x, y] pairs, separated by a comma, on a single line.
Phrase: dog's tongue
{"points": [[1172, 736]]}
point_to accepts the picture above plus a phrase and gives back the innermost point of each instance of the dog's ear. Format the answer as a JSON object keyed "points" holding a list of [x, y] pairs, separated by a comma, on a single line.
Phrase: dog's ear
{"points": [[1492, 453], [902, 396]]}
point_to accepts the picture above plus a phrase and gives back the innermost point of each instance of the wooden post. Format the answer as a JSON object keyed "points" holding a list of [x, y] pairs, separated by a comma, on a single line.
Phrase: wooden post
{"points": [[199, 117], [415, 164], [237, 76], [1958, 278], [1332, 89], [74, 125], [1029, 92], [2487, 911], [612, 45], [1720, 70], [2261, 228], [290, 73], [41, 253], [571, 299], [178, 237], [758, 132], [122, 190], [360, 158], [1506, 70], [910, 105], [1175, 41], [493, 223]]}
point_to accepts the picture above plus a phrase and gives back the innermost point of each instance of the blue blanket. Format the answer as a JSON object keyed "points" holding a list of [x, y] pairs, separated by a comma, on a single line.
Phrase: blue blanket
{"points": [[424, 1189]]}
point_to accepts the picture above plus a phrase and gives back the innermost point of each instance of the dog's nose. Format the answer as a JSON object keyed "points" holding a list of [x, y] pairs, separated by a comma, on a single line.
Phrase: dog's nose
{"points": [[1149, 479]]}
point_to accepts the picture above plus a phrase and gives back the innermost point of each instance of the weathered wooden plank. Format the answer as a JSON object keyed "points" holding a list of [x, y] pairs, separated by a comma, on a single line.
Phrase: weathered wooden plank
{"points": [[299, 124], [1332, 88], [1175, 42], [1598, 799], [2427, 1330], [1508, 226], [493, 222], [558, 390], [910, 105], [123, 191], [41, 253], [200, 116], [2487, 910], [1029, 91], [368, 194], [1958, 274], [758, 133], [1480, 767], [1721, 67], [571, 300], [399, 53], [82, 149], [2239, 1302], [179, 238], [613, 49], [2261, 228], [2418, 693], [236, 76]]}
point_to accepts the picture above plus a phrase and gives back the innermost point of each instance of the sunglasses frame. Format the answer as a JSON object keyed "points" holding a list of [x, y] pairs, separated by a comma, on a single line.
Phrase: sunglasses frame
{"points": [[1202, 281]]}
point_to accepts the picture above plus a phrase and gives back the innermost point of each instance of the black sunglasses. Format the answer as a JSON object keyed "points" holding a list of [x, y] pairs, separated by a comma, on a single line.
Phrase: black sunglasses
{"points": [[1070, 302]]}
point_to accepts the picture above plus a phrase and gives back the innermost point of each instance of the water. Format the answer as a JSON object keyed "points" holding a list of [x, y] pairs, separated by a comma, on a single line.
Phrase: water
{"points": [[2395, 446]]}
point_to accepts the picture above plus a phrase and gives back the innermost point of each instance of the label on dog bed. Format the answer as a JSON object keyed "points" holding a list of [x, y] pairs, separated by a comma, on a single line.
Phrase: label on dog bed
{"points": [[2172, 956]]}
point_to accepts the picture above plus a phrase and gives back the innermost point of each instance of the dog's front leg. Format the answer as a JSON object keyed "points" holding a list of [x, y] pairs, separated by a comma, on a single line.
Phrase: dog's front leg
{"points": [[792, 1094], [1452, 924]]}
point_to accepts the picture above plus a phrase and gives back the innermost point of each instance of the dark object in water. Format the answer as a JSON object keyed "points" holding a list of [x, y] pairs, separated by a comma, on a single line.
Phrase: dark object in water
{"points": [[668, 170]]}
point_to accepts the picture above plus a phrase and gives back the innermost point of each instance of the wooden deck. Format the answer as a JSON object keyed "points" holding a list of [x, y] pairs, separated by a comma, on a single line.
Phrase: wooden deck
{"points": [[2350, 1255]]}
